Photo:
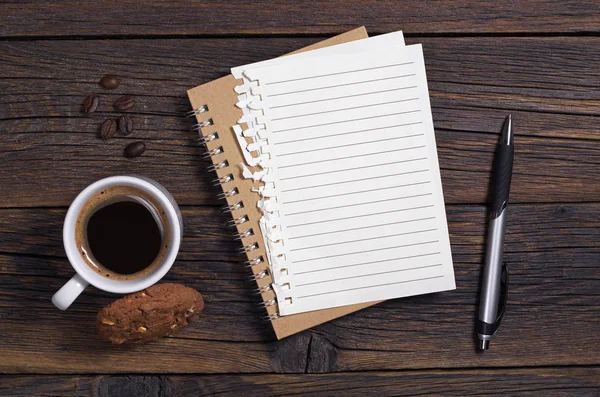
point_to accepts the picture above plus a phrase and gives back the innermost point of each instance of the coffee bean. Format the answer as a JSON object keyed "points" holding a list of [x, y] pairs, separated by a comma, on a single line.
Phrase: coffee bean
{"points": [[134, 149], [110, 82], [108, 129], [124, 103], [90, 104], [125, 125]]}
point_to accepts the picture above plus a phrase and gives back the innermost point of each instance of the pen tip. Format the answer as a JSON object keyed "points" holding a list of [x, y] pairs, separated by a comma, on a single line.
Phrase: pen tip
{"points": [[484, 344], [507, 134]]}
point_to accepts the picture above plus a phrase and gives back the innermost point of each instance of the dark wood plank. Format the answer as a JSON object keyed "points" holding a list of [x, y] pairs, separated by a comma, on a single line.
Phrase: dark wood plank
{"points": [[546, 169], [474, 82], [544, 74], [552, 250], [214, 17], [523, 382]]}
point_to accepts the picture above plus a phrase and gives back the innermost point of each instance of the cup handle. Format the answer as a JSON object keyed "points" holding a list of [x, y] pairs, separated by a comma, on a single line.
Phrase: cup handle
{"points": [[69, 292]]}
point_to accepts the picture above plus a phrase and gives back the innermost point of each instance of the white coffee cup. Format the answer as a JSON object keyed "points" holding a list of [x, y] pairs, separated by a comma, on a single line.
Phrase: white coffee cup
{"points": [[85, 274]]}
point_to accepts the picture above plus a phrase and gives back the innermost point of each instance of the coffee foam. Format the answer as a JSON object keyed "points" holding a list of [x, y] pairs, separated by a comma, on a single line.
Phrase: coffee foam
{"points": [[113, 195]]}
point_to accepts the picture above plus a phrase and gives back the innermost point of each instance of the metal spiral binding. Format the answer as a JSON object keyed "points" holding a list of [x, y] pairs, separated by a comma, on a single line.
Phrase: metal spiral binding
{"points": [[222, 180], [229, 193], [269, 302], [254, 261], [198, 110], [238, 221], [233, 207], [260, 275], [263, 289], [244, 234], [202, 124], [249, 247], [218, 166], [271, 316], [203, 140], [213, 152], [265, 273]]}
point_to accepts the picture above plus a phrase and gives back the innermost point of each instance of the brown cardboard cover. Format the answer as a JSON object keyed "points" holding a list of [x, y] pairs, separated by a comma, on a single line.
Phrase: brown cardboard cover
{"points": [[220, 97]]}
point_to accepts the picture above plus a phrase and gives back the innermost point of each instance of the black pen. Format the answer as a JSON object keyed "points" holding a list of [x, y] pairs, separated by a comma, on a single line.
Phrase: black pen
{"points": [[494, 289]]}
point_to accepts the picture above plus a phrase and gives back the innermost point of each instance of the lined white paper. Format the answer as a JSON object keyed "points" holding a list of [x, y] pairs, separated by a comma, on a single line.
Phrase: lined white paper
{"points": [[353, 154], [351, 47], [374, 43]]}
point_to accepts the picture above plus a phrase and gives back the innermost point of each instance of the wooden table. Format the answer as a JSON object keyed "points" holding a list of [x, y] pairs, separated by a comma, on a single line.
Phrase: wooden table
{"points": [[538, 60]]}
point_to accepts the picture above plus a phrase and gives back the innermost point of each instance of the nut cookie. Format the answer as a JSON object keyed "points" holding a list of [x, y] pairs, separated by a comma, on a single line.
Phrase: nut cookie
{"points": [[158, 311]]}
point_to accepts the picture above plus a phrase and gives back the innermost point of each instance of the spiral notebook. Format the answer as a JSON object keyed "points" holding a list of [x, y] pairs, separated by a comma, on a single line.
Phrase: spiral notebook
{"points": [[329, 166]]}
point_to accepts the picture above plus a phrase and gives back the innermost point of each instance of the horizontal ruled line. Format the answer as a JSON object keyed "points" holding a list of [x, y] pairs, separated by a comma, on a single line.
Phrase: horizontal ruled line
{"points": [[343, 97], [370, 286], [347, 133], [363, 252], [362, 227], [366, 239], [360, 216], [343, 109], [346, 121], [352, 169], [371, 274], [350, 157], [365, 203], [350, 144], [339, 73], [343, 85], [368, 263], [362, 191], [355, 180]]}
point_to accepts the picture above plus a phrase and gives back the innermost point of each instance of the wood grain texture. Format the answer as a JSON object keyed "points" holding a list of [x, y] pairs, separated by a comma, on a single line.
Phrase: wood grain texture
{"points": [[214, 17], [474, 82], [546, 382], [551, 319], [548, 343]]}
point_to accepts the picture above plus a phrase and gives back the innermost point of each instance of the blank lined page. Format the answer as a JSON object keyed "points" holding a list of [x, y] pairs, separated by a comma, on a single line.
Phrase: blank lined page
{"points": [[354, 166], [378, 42]]}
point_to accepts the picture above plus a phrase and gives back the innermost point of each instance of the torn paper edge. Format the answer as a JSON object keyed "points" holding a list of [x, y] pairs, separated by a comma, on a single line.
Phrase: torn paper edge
{"points": [[255, 116]]}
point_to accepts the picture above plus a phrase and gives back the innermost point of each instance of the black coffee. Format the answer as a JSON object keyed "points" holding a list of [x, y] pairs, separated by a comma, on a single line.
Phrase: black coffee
{"points": [[124, 237]]}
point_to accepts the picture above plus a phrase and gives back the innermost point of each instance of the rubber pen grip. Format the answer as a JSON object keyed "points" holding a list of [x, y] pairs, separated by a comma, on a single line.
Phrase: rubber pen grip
{"points": [[502, 173]]}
